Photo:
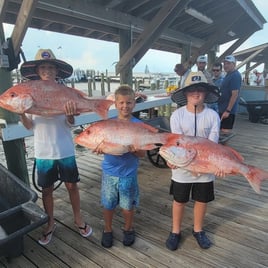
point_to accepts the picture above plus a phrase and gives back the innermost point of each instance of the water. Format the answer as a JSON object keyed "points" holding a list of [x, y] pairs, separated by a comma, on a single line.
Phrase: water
{"points": [[84, 87]]}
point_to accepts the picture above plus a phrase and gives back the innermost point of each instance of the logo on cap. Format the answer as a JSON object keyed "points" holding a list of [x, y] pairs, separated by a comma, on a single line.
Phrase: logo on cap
{"points": [[196, 78], [45, 55]]}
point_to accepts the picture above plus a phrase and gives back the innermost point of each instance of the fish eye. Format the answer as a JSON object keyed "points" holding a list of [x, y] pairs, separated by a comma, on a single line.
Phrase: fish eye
{"points": [[13, 94]]}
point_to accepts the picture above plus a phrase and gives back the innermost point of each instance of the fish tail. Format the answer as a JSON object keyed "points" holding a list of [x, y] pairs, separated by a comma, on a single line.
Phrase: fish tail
{"points": [[255, 176], [103, 107]]}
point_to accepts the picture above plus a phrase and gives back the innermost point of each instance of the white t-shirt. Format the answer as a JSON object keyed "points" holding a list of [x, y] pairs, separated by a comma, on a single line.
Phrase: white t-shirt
{"points": [[52, 137], [183, 122]]}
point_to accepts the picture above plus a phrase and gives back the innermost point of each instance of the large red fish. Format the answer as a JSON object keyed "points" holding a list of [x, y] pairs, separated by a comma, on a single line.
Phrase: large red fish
{"points": [[47, 98], [114, 136], [200, 155]]}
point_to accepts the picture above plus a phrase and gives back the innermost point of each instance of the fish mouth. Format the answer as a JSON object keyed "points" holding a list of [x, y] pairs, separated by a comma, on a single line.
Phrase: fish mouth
{"points": [[178, 156]]}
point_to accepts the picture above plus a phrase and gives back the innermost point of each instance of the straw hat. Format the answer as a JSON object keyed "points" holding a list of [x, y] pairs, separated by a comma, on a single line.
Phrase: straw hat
{"points": [[28, 68], [193, 80]]}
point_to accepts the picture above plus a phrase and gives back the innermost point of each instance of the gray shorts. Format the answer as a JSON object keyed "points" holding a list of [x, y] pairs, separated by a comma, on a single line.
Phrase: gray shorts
{"points": [[51, 170]]}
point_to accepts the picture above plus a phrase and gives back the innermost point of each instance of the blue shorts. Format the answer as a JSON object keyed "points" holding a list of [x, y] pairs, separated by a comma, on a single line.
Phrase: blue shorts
{"points": [[51, 170], [119, 190]]}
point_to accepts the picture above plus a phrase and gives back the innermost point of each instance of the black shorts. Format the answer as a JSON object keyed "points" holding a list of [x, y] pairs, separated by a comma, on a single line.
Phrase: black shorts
{"points": [[201, 192], [228, 122]]}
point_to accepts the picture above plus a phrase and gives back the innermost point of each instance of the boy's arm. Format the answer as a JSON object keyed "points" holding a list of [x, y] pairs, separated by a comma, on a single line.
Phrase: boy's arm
{"points": [[26, 121]]}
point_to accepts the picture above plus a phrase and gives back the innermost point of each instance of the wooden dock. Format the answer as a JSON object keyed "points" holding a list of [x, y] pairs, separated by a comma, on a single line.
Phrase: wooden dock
{"points": [[236, 222]]}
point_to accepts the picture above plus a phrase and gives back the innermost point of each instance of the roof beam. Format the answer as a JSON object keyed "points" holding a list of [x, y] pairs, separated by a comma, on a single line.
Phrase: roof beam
{"points": [[3, 6], [22, 22], [248, 59], [222, 27], [111, 18], [233, 47], [253, 15], [151, 33]]}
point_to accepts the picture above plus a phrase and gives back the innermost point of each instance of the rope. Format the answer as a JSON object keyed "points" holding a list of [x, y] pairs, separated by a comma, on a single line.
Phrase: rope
{"points": [[35, 183], [195, 121]]}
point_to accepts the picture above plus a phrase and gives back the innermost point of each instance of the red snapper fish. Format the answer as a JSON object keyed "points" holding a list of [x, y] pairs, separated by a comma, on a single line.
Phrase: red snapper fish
{"points": [[200, 155], [47, 98], [113, 136]]}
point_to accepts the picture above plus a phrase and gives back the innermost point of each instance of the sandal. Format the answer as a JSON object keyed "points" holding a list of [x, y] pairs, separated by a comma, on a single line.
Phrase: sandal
{"points": [[46, 237], [83, 230]]}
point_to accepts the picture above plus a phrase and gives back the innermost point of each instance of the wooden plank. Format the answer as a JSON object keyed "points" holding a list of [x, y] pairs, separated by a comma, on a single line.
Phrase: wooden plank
{"points": [[236, 221]]}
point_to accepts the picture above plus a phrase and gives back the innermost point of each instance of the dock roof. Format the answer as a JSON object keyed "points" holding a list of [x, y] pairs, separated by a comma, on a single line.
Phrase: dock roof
{"points": [[158, 24]]}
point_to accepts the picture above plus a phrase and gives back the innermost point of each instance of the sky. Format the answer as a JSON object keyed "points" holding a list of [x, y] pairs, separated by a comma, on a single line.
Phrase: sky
{"points": [[85, 53]]}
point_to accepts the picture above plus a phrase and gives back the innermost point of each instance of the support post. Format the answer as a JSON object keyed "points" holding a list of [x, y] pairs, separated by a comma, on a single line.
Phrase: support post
{"points": [[14, 150], [124, 44]]}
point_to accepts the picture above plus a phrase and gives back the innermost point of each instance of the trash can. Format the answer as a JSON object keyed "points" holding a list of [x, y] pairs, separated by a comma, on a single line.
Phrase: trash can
{"points": [[18, 213]]}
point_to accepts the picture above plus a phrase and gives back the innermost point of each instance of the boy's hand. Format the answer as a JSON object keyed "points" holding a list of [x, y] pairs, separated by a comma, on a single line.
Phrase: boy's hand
{"points": [[138, 153], [70, 108], [132, 149], [220, 173]]}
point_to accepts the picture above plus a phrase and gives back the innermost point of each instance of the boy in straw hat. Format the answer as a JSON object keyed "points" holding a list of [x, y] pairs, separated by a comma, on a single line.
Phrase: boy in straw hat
{"points": [[53, 143], [194, 118]]}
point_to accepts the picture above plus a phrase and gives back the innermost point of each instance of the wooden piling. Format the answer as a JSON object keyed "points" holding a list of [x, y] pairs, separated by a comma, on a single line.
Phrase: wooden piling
{"points": [[89, 87], [102, 85]]}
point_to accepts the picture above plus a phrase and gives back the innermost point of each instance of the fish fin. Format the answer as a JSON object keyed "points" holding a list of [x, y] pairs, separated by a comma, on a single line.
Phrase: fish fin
{"points": [[237, 154], [255, 176], [103, 107], [148, 147], [112, 148], [148, 127], [79, 92]]}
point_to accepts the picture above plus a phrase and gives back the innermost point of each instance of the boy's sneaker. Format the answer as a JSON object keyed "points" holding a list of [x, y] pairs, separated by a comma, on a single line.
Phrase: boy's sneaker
{"points": [[129, 238], [173, 241], [107, 239], [202, 239]]}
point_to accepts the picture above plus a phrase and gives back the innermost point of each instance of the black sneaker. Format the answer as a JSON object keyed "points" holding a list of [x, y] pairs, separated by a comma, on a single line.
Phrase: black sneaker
{"points": [[129, 238], [107, 239], [202, 239], [173, 241]]}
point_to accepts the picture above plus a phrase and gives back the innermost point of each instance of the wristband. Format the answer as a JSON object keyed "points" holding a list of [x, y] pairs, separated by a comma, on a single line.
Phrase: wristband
{"points": [[228, 111]]}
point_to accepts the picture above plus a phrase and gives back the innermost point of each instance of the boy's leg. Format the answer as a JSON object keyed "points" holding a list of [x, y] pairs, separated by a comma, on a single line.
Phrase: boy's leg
{"points": [[128, 217], [48, 203], [177, 216], [202, 194], [107, 234], [199, 215], [129, 233], [75, 202], [108, 220], [74, 196], [47, 198]]}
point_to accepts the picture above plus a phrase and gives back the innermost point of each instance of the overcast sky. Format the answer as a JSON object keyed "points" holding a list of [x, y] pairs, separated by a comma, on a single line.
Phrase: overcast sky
{"points": [[86, 53]]}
